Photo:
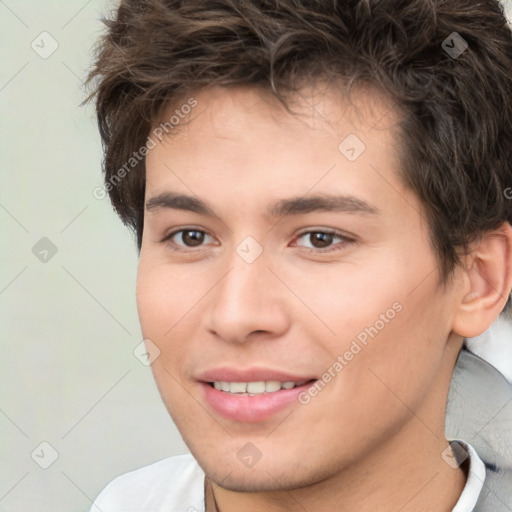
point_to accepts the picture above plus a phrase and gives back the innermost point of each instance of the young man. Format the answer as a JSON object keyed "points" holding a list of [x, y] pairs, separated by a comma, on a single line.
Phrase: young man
{"points": [[319, 194]]}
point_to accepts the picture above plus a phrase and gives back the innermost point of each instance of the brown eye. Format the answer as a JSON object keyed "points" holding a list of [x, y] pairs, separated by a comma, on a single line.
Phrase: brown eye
{"points": [[188, 237], [320, 240], [192, 238]]}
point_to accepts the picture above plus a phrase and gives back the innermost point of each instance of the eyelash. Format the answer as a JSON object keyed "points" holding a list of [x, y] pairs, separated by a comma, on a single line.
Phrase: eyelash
{"points": [[345, 240]]}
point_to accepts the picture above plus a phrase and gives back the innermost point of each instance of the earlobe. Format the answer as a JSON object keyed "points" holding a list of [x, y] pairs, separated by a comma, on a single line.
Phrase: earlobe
{"points": [[488, 275]]}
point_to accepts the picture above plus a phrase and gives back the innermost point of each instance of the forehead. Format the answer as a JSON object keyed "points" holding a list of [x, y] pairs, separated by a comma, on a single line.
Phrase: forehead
{"points": [[232, 112], [244, 140]]}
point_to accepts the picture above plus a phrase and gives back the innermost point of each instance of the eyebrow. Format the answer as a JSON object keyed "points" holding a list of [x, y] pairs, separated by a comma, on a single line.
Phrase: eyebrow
{"points": [[281, 208]]}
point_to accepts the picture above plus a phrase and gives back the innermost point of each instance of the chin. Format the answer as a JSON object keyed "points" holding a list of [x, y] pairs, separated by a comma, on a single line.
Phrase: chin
{"points": [[265, 476]]}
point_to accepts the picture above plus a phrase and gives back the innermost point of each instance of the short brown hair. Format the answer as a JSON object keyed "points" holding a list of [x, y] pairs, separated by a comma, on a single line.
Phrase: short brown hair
{"points": [[456, 129]]}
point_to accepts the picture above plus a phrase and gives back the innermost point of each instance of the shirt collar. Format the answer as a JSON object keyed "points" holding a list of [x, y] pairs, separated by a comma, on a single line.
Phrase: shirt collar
{"points": [[475, 481]]}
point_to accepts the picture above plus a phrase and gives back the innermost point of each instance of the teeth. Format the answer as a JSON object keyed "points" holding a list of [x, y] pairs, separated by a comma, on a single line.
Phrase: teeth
{"points": [[238, 387], [272, 385], [254, 388]]}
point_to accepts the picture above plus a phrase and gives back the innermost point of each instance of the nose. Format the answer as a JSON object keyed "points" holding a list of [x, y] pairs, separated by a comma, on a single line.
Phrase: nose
{"points": [[247, 303]]}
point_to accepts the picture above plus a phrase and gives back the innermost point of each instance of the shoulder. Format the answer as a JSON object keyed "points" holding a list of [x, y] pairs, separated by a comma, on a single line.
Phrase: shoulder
{"points": [[172, 484], [479, 412]]}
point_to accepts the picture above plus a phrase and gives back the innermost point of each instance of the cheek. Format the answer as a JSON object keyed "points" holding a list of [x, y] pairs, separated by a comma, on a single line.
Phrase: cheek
{"points": [[161, 312], [168, 301], [402, 359], [348, 299], [164, 296], [152, 301], [387, 318]]}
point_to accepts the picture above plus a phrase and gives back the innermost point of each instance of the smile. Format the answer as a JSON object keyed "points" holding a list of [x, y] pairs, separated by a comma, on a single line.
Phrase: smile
{"points": [[254, 388], [253, 401]]}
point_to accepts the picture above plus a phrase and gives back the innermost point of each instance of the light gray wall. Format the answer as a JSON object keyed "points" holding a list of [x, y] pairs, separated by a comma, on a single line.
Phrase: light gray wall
{"points": [[68, 376]]}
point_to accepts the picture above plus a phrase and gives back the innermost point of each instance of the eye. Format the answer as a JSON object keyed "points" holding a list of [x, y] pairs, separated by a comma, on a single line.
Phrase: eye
{"points": [[319, 240], [188, 237], [316, 241]]}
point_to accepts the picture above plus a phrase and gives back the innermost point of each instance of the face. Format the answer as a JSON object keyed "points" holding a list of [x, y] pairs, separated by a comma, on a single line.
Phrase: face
{"points": [[282, 248]]}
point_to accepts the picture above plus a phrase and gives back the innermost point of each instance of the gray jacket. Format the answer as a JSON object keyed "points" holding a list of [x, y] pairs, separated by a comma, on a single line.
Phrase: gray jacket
{"points": [[479, 412]]}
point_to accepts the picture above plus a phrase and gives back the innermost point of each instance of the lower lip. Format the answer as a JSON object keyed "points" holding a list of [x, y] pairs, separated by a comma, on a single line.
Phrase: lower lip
{"points": [[251, 409]]}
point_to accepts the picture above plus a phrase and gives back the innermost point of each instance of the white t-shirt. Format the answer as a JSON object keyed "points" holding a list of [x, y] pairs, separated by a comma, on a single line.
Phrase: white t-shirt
{"points": [[176, 484]]}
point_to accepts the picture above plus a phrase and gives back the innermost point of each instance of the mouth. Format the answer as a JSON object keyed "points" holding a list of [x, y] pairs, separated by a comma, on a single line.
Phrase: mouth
{"points": [[253, 401], [256, 388]]}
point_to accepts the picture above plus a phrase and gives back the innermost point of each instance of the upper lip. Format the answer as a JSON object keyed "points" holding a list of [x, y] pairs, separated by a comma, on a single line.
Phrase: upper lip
{"points": [[230, 374]]}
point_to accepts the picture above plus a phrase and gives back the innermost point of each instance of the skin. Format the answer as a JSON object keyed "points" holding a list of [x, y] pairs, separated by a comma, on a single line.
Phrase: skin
{"points": [[379, 424]]}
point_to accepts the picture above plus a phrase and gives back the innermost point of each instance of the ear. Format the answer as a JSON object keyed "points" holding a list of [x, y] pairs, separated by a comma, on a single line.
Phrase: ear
{"points": [[487, 283]]}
